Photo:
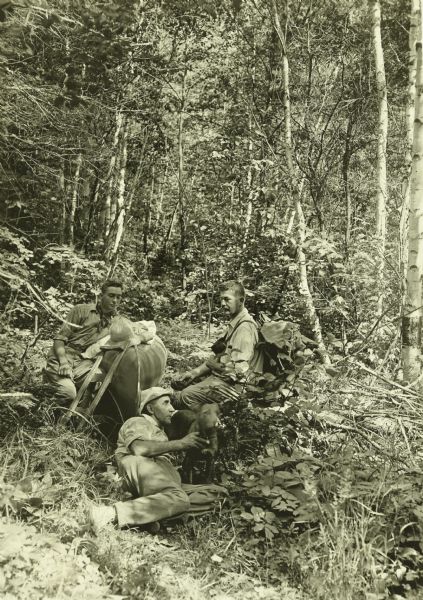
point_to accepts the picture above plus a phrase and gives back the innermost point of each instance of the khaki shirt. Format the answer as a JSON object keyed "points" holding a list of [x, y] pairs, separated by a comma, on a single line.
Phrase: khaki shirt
{"points": [[240, 358], [143, 428], [91, 325]]}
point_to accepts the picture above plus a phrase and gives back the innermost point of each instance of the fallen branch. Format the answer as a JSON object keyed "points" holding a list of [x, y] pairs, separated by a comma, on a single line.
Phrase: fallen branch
{"points": [[9, 277], [24, 399], [389, 381]]}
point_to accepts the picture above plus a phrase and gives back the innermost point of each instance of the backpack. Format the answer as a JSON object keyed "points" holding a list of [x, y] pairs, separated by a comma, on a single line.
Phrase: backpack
{"points": [[280, 344], [279, 347]]}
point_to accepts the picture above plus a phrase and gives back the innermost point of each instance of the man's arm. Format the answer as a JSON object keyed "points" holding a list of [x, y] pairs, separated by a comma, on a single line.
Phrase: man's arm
{"points": [[189, 376], [242, 349], [155, 448], [59, 342], [199, 371], [65, 370]]}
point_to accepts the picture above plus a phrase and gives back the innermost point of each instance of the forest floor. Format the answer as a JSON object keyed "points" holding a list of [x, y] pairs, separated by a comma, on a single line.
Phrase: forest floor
{"points": [[50, 476], [368, 488]]}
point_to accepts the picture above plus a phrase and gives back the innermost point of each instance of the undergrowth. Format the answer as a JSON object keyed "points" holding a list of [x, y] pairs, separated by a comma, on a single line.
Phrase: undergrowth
{"points": [[326, 502]]}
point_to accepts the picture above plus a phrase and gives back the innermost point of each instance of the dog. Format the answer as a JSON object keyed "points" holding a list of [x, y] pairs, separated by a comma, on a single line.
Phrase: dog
{"points": [[205, 421]]}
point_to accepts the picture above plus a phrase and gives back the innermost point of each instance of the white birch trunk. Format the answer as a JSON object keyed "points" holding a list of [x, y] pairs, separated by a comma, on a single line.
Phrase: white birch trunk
{"points": [[293, 178], [74, 200], [412, 317], [110, 177], [120, 200], [414, 36], [381, 181], [62, 198]]}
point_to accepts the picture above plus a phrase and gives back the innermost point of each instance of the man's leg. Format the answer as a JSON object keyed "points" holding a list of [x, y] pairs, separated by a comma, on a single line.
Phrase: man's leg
{"points": [[157, 484], [65, 389], [210, 389]]}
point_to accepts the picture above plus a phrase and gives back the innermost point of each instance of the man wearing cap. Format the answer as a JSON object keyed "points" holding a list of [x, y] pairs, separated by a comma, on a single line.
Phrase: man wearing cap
{"points": [[234, 361], [143, 460], [85, 324]]}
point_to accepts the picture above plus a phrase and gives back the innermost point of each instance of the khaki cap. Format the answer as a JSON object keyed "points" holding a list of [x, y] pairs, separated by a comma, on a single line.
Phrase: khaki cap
{"points": [[153, 393]]}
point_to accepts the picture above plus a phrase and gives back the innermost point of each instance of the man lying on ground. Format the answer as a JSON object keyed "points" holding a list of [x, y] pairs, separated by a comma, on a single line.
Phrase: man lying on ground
{"points": [[145, 466], [85, 324], [234, 356]]}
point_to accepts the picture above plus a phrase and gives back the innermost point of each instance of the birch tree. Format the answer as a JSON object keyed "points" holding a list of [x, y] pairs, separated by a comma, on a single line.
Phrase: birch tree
{"points": [[292, 179], [382, 138], [74, 200], [412, 314], [415, 17], [106, 217], [118, 225]]}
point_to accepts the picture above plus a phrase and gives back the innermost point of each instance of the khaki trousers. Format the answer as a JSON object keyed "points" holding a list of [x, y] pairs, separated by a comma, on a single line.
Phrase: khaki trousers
{"points": [[210, 389], [156, 485], [158, 492]]}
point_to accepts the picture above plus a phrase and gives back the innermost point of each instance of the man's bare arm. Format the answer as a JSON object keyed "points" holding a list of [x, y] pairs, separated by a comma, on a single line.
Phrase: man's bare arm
{"points": [[59, 350], [155, 448]]}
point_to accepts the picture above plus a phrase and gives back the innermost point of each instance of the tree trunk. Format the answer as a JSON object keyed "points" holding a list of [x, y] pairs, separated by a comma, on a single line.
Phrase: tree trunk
{"points": [[345, 167], [118, 227], [159, 206], [412, 315], [414, 36], [106, 218], [74, 201], [250, 174], [62, 198], [292, 180], [147, 215], [381, 189], [93, 207], [181, 191]]}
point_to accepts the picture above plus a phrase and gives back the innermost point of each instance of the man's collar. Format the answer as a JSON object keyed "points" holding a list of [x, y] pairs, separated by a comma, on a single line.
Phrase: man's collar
{"points": [[151, 419], [103, 318], [241, 315]]}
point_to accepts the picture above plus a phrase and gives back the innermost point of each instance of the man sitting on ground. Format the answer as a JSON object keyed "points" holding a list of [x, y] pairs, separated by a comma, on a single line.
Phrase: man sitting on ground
{"points": [[144, 463], [85, 324], [234, 361]]}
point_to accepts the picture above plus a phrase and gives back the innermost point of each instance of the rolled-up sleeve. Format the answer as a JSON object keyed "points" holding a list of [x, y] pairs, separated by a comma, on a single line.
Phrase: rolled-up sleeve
{"points": [[135, 429], [65, 332]]}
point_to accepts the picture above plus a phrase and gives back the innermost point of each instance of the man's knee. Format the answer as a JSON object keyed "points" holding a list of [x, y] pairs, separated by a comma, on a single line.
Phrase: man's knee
{"points": [[180, 501], [190, 398], [65, 390]]}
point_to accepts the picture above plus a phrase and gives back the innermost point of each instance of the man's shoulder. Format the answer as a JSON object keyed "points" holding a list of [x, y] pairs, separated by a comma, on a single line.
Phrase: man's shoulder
{"points": [[247, 321], [139, 420], [81, 311], [85, 307]]}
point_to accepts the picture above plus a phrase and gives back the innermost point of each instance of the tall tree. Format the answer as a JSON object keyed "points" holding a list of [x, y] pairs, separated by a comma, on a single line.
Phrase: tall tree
{"points": [[414, 36], [293, 186], [382, 138], [413, 313]]}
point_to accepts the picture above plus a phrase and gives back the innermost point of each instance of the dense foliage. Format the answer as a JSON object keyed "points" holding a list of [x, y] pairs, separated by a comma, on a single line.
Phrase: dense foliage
{"points": [[147, 139], [150, 141]]}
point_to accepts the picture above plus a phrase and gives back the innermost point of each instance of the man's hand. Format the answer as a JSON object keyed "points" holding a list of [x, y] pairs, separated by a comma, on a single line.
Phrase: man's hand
{"points": [[65, 370], [215, 365], [193, 440]]}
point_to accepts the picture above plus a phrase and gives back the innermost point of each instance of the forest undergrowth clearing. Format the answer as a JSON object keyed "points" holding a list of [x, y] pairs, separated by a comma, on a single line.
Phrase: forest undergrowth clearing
{"points": [[48, 551], [352, 454]]}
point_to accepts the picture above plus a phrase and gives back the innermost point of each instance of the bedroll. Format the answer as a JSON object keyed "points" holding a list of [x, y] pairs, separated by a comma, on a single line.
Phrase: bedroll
{"points": [[146, 362]]}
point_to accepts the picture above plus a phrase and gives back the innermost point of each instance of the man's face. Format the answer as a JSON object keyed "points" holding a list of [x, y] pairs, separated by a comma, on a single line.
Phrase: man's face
{"points": [[162, 410], [231, 303], [110, 300]]}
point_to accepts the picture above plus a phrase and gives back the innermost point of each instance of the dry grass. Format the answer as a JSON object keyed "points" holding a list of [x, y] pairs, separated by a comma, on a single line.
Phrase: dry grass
{"points": [[66, 470], [348, 556]]}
